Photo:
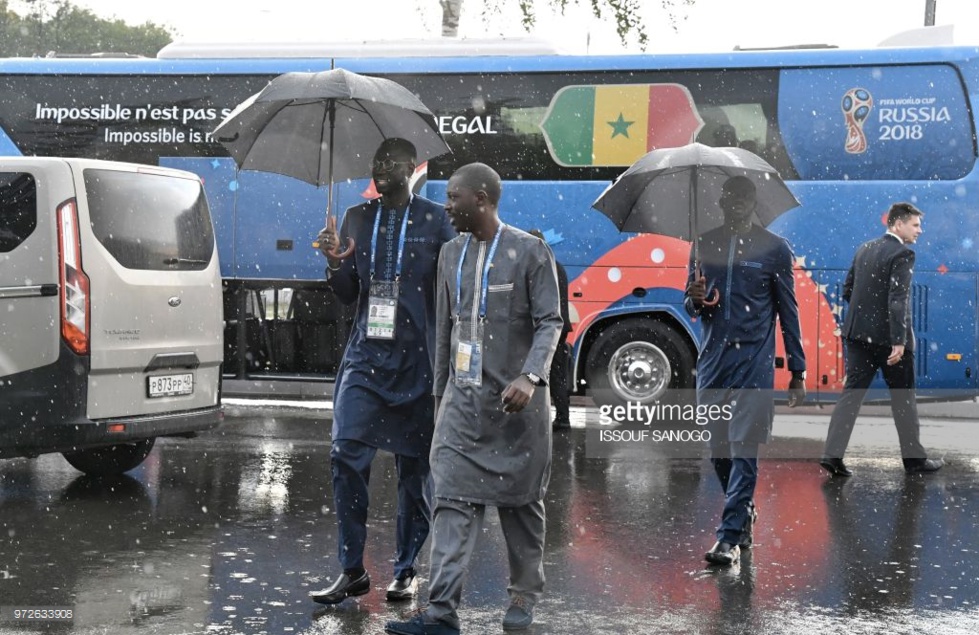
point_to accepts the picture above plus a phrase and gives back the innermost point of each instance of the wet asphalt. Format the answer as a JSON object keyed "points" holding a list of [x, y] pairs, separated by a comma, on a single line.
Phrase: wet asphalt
{"points": [[228, 532]]}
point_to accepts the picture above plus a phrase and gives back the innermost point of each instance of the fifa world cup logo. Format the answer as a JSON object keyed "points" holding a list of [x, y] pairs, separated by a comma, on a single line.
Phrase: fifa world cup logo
{"points": [[856, 105]]}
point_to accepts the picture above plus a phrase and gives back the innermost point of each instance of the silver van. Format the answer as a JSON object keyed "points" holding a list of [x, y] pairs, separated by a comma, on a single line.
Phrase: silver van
{"points": [[110, 310]]}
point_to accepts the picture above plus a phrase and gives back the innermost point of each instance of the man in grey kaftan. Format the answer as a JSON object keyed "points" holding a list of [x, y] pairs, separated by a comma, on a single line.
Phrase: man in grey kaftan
{"points": [[497, 326]]}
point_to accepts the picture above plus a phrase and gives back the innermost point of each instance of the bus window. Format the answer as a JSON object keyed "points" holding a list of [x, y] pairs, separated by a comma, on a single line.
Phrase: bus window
{"points": [[902, 123], [501, 118]]}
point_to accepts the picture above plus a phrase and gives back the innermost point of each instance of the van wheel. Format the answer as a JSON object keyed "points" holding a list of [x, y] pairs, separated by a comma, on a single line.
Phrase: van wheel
{"points": [[640, 360], [110, 460]]}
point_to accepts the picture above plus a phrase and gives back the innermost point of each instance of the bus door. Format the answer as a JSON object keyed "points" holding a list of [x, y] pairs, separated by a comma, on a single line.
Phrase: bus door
{"points": [[828, 364], [943, 311]]}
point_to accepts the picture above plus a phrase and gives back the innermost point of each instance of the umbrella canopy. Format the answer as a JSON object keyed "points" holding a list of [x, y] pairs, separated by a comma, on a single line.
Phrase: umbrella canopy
{"points": [[325, 127], [674, 191]]}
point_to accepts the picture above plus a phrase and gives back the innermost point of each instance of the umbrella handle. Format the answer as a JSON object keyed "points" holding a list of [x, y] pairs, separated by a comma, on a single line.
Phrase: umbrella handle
{"points": [[713, 297], [331, 227], [340, 255]]}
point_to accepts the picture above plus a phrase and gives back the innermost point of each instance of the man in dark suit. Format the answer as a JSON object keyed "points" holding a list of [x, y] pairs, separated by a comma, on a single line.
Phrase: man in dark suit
{"points": [[560, 365], [877, 335]]}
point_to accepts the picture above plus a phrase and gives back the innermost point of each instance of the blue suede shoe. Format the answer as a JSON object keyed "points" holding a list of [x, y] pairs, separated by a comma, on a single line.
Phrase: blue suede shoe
{"points": [[519, 616], [420, 624]]}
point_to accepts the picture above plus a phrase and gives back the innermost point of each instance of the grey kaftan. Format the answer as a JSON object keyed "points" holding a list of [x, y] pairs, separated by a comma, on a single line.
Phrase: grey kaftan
{"points": [[479, 453]]}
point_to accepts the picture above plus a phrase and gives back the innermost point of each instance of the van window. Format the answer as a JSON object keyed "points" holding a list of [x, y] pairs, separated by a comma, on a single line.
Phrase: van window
{"points": [[18, 209], [150, 221]]}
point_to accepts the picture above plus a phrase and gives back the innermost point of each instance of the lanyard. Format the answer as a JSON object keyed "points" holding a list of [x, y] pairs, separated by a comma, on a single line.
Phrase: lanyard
{"points": [[484, 287], [730, 274], [401, 240]]}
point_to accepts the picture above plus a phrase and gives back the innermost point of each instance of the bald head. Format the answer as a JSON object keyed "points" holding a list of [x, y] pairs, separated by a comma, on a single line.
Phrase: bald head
{"points": [[473, 194], [480, 177], [396, 146]]}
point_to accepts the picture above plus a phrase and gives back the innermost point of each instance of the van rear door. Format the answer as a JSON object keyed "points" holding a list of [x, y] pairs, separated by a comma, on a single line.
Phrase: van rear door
{"points": [[29, 319], [148, 247]]}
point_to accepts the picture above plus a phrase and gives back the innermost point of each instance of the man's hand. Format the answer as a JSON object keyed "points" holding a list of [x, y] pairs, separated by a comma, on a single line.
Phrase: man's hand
{"points": [[697, 290], [797, 391], [897, 352], [517, 395], [328, 241]]}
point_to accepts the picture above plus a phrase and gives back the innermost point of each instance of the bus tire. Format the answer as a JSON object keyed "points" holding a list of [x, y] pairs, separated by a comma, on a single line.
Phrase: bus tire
{"points": [[640, 360], [110, 460]]}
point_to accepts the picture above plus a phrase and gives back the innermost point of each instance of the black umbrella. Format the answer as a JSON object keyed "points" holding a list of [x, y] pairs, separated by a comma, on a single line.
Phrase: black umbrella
{"points": [[674, 191], [324, 127]]}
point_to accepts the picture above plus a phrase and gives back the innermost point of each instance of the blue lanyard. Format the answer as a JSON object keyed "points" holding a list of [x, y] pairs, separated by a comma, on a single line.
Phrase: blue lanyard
{"points": [[401, 239], [484, 287], [730, 273]]}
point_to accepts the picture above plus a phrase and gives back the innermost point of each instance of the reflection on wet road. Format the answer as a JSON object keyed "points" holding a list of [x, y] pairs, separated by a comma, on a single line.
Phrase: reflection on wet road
{"points": [[228, 532]]}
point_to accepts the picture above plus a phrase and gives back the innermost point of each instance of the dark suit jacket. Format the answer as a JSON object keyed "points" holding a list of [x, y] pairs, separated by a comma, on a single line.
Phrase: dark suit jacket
{"points": [[562, 285], [878, 291]]}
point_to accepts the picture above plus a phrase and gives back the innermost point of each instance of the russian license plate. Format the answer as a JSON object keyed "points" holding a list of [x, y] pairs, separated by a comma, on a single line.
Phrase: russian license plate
{"points": [[170, 385]]}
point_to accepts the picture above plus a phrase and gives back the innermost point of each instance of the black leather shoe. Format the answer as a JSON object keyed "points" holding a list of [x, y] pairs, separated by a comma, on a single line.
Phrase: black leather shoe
{"points": [[748, 531], [344, 587], [924, 466], [561, 424], [835, 467], [723, 553], [420, 624], [403, 588]]}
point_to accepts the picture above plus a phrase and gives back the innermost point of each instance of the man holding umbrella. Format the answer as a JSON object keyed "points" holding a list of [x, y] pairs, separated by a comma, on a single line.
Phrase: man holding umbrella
{"points": [[382, 392], [741, 282]]}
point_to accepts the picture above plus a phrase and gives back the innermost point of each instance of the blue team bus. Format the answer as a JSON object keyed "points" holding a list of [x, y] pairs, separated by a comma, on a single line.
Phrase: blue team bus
{"points": [[851, 131]]}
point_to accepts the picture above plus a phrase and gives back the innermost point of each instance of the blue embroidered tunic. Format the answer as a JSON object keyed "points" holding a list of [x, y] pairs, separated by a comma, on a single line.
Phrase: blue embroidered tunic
{"points": [[382, 396]]}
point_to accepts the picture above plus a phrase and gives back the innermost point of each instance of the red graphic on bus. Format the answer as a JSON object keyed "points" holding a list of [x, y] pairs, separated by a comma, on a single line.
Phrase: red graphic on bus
{"points": [[661, 262]]}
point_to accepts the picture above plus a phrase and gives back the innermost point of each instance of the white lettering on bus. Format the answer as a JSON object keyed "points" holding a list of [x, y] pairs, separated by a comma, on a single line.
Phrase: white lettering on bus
{"points": [[922, 114], [465, 125], [909, 101], [105, 112], [160, 135]]}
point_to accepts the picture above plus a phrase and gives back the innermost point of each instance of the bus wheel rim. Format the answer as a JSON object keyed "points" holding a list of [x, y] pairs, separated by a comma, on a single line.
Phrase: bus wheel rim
{"points": [[639, 371]]}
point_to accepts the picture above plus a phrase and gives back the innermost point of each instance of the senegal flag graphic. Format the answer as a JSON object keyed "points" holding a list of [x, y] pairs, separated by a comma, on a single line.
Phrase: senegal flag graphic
{"points": [[613, 125]]}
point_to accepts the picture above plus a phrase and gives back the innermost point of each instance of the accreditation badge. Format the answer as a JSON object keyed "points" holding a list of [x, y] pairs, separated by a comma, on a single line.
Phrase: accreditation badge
{"points": [[469, 355], [382, 310]]}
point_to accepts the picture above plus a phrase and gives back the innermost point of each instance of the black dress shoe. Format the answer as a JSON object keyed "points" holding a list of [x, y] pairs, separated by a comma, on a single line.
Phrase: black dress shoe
{"points": [[836, 467], [402, 588], [723, 553], [923, 466], [343, 588], [561, 424]]}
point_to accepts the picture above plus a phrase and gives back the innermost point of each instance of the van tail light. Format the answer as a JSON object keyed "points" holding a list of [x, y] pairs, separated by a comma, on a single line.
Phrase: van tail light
{"points": [[75, 311]]}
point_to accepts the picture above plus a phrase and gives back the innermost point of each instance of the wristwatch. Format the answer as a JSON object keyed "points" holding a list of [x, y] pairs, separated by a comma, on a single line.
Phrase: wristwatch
{"points": [[534, 379]]}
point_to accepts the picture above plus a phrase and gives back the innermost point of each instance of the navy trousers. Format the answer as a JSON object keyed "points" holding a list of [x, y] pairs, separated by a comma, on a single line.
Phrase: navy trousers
{"points": [[351, 466], [736, 466]]}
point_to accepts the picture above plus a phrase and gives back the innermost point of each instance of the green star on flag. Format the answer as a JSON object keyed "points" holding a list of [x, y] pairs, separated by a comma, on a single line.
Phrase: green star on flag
{"points": [[620, 126]]}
